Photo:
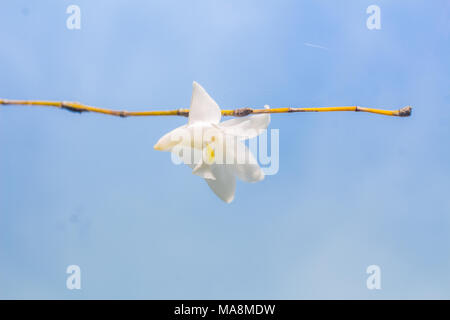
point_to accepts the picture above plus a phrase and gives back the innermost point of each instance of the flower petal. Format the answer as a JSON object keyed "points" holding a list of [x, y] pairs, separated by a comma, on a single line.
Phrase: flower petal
{"points": [[171, 139], [203, 107], [225, 184], [246, 127], [204, 170], [245, 166]]}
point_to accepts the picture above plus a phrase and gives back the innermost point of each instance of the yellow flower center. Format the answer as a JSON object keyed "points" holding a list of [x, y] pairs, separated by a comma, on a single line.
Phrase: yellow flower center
{"points": [[210, 153]]}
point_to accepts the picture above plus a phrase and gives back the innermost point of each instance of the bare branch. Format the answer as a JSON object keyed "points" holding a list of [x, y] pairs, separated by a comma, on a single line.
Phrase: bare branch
{"points": [[241, 112]]}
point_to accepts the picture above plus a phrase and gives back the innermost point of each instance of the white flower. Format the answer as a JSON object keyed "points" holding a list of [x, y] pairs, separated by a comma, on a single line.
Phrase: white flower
{"points": [[223, 155]]}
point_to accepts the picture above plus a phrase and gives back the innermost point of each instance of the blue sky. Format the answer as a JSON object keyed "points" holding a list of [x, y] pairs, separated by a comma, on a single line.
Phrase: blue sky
{"points": [[353, 189]]}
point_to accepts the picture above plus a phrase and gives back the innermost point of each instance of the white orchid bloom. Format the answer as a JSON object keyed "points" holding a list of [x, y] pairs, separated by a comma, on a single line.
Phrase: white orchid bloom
{"points": [[223, 154]]}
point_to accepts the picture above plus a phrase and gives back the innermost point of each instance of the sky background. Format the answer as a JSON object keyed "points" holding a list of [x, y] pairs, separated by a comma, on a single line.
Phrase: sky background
{"points": [[353, 189]]}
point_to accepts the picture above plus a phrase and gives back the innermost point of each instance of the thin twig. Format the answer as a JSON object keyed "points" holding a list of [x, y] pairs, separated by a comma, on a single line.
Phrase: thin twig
{"points": [[79, 108]]}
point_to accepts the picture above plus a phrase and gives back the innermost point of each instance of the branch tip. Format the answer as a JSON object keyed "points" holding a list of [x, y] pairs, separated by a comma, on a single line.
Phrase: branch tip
{"points": [[405, 111]]}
